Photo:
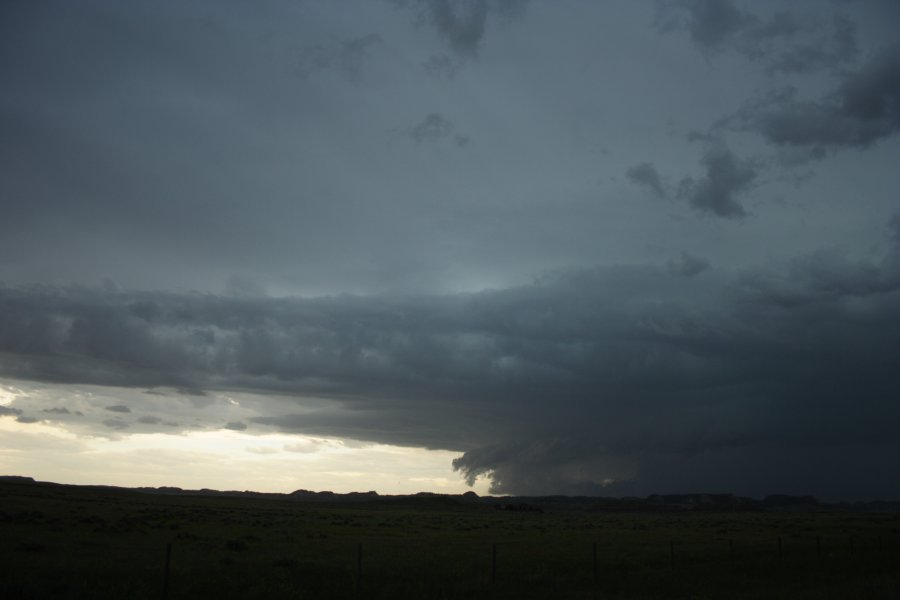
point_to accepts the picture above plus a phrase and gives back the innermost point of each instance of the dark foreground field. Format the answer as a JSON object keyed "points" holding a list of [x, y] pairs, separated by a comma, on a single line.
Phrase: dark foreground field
{"points": [[71, 542]]}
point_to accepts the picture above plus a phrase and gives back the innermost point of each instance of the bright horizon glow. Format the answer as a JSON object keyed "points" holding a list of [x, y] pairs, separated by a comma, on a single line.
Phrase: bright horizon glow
{"points": [[225, 460]]}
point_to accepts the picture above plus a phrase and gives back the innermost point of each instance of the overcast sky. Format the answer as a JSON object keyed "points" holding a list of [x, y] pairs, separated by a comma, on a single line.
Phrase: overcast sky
{"points": [[607, 247]]}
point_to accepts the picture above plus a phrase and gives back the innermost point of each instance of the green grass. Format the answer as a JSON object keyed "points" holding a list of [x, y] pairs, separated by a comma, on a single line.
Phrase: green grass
{"points": [[66, 542]]}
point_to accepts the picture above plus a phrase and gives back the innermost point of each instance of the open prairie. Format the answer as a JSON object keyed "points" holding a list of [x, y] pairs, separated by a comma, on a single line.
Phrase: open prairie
{"points": [[80, 542]]}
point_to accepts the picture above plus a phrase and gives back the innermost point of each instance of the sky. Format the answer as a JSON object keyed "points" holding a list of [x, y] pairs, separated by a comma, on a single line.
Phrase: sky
{"points": [[571, 247]]}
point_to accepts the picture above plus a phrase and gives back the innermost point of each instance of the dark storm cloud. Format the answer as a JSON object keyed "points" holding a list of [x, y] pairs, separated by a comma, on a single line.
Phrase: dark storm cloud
{"points": [[586, 380], [645, 174], [864, 109], [119, 408], [462, 23], [27, 420], [727, 177], [236, 426], [784, 42], [770, 401], [556, 463], [711, 23], [6, 411]]}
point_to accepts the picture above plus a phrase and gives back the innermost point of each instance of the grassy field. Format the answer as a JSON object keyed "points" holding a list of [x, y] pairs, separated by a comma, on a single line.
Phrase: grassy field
{"points": [[68, 542]]}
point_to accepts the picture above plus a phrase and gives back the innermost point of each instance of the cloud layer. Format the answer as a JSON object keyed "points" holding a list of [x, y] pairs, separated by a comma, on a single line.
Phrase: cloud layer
{"points": [[609, 379]]}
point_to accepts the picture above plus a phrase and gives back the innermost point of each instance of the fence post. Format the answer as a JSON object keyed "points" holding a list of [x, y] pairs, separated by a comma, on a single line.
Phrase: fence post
{"points": [[494, 563], [165, 587], [358, 568]]}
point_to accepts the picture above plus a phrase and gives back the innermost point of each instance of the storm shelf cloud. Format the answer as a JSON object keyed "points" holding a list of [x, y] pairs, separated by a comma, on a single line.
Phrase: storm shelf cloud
{"points": [[609, 373], [392, 223]]}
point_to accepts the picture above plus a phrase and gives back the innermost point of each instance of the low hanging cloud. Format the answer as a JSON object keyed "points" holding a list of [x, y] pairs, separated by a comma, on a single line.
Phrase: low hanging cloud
{"points": [[863, 110], [615, 380], [727, 177]]}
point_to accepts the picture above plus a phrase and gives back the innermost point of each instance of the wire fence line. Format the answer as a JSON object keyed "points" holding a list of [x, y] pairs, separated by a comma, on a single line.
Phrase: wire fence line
{"points": [[508, 560], [188, 564]]}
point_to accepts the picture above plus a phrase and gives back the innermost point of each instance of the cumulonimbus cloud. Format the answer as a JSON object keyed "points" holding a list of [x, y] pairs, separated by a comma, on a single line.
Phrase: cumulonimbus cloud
{"points": [[609, 379]]}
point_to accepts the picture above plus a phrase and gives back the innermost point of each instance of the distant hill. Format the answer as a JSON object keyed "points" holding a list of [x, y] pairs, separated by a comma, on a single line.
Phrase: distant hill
{"points": [[654, 502]]}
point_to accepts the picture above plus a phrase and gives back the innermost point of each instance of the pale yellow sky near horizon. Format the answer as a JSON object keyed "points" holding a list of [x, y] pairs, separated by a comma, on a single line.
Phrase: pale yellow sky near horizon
{"points": [[222, 459]]}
